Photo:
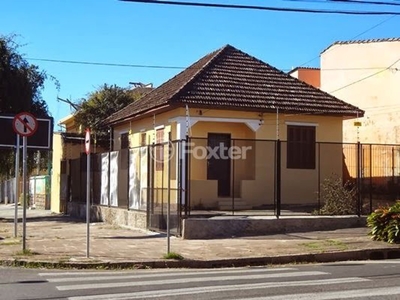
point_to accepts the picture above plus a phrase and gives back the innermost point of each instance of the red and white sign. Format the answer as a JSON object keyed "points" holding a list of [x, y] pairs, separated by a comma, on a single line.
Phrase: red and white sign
{"points": [[25, 124], [87, 141]]}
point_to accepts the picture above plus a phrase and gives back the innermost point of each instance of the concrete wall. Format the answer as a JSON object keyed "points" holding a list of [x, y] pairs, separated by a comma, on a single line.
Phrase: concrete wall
{"points": [[359, 73], [110, 215], [201, 228]]}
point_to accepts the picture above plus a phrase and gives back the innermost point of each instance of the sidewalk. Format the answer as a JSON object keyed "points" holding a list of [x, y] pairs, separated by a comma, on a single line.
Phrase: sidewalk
{"points": [[60, 241]]}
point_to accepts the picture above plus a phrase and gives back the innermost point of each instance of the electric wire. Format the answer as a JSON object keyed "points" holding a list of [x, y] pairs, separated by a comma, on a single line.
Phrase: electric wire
{"points": [[265, 8]]}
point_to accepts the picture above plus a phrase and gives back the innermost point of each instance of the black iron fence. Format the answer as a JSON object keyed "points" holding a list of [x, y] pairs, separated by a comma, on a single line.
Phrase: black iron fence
{"points": [[223, 176], [272, 177], [144, 179]]}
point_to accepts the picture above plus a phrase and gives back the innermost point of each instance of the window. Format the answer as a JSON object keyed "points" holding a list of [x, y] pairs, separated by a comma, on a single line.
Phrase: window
{"points": [[124, 140], [143, 139], [300, 147], [159, 149]]}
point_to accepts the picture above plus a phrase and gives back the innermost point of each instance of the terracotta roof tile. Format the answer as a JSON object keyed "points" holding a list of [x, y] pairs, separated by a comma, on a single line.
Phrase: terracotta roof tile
{"points": [[231, 79], [394, 39]]}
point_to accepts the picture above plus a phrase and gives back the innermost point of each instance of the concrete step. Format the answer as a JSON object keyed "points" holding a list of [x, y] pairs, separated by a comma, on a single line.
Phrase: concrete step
{"points": [[239, 204]]}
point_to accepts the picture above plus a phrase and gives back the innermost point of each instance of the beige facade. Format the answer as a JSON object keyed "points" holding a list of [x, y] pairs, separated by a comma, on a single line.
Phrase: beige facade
{"points": [[252, 175], [366, 74]]}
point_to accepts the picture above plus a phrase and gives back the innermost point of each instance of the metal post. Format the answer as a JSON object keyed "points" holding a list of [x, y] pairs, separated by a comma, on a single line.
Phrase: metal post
{"points": [[87, 203], [169, 194], [278, 178], [233, 183], [24, 181], [319, 177], [358, 179], [370, 178], [16, 187], [393, 177], [187, 172]]}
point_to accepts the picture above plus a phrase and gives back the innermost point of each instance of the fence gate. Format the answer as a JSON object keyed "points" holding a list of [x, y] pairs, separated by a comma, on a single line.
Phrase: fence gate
{"points": [[165, 177]]}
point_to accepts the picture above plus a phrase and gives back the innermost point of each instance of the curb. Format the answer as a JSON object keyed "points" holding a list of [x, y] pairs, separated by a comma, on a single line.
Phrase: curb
{"points": [[365, 254]]}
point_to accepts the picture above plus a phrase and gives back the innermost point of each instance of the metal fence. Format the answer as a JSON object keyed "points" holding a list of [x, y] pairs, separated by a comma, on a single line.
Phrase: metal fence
{"points": [[205, 177], [272, 177], [144, 179]]}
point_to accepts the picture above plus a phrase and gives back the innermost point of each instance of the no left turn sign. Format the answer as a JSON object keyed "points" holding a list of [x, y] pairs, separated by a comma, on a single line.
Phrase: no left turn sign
{"points": [[25, 124]]}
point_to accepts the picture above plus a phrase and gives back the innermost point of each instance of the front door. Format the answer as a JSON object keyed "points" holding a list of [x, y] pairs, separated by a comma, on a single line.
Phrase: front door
{"points": [[219, 163]]}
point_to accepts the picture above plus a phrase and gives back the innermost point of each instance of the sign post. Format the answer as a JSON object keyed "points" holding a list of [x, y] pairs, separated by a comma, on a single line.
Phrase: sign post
{"points": [[87, 150], [16, 187], [24, 124]]}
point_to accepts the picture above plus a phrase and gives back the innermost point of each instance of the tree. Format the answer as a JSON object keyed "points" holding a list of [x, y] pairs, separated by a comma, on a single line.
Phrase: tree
{"points": [[21, 84], [102, 103]]}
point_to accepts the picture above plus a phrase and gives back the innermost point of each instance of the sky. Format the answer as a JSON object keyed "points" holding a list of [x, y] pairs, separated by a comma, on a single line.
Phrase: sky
{"points": [[115, 32]]}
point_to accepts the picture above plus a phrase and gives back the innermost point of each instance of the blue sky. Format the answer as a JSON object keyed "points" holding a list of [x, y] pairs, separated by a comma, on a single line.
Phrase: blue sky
{"points": [[145, 34]]}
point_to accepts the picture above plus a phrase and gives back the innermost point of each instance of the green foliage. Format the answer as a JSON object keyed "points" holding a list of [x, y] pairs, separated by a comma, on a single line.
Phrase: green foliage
{"points": [[21, 84], [385, 224], [338, 198], [101, 104]]}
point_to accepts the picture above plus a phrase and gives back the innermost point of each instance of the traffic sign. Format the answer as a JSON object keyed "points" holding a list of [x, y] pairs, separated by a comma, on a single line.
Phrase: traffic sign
{"points": [[41, 140], [25, 124], [87, 141]]}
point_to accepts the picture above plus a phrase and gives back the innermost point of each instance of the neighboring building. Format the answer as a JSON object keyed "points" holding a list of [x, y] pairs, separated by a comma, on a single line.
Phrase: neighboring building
{"points": [[308, 75], [231, 98], [366, 73]]}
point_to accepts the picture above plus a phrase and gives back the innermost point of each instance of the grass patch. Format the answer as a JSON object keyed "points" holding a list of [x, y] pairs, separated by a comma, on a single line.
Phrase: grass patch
{"points": [[325, 245], [338, 244], [10, 242], [26, 252], [313, 245], [173, 255]]}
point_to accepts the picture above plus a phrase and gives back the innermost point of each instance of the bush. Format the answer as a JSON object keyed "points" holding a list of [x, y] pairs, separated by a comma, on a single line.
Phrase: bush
{"points": [[385, 224], [338, 198]]}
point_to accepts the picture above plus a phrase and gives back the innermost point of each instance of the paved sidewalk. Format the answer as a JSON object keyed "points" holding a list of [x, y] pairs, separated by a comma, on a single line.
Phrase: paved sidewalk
{"points": [[61, 241]]}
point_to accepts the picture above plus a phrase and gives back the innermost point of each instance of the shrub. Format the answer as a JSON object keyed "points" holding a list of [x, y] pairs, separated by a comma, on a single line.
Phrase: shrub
{"points": [[385, 224], [338, 198]]}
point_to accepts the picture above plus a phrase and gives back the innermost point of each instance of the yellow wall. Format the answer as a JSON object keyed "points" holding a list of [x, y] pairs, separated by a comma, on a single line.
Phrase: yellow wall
{"points": [[254, 177], [357, 73], [55, 175]]}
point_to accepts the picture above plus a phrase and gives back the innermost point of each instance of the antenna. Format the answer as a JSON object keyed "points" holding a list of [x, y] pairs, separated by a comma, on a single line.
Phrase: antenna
{"points": [[71, 104]]}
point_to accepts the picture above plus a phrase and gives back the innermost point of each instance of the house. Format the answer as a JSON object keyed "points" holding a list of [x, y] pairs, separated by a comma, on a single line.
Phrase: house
{"points": [[309, 75], [366, 73], [69, 155], [228, 119]]}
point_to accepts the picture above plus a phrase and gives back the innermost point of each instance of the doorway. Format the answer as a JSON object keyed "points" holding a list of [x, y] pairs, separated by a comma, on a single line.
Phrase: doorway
{"points": [[219, 162]]}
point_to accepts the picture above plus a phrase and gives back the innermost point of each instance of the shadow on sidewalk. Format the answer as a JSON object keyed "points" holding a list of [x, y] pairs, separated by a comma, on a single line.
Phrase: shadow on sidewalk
{"points": [[157, 236], [55, 218]]}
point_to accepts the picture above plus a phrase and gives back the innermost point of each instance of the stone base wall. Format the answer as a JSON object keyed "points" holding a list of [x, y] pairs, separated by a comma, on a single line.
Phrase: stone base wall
{"points": [[41, 201], [202, 228], [111, 215]]}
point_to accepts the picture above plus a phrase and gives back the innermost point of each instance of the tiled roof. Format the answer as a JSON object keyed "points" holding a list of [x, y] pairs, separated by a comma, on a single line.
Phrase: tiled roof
{"points": [[231, 79], [396, 39], [303, 68]]}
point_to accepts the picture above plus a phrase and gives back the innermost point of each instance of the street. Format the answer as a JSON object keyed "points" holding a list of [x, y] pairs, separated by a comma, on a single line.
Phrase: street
{"points": [[345, 280]]}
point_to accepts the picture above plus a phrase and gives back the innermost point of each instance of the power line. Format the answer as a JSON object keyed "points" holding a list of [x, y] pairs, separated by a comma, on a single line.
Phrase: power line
{"points": [[365, 2], [364, 78], [124, 65], [353, 38], [265, 8], [103, 63]]}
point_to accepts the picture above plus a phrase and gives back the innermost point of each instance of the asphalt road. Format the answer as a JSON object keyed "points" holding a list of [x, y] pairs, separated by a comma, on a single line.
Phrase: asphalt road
{"points": [[348, 280]]}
